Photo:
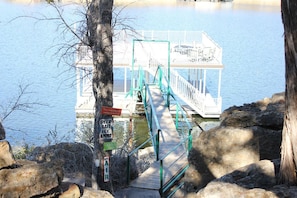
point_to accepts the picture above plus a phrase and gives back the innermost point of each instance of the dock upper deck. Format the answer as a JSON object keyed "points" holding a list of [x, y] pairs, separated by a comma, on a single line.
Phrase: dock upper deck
{"points": [[194, 49]]}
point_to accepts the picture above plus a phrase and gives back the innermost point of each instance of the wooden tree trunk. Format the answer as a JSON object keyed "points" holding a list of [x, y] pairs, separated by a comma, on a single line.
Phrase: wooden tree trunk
{"points": [[100, 39], [289, 135]]}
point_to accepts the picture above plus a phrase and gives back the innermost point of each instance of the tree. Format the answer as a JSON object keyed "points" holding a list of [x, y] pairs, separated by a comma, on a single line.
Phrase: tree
{"points": [[288, 165], [99, 17], [97, 34]]}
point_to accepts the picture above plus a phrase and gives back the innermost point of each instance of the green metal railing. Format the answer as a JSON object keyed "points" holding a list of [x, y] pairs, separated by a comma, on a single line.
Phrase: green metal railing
{"points": [[186, 135], [155, 130], [143, 86]]}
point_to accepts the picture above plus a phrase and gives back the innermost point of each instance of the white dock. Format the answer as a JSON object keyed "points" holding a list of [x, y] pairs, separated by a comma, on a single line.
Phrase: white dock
{"points": [[194, 51]]}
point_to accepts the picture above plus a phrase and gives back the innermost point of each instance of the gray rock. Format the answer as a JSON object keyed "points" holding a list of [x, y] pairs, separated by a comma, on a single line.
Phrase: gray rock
{"points": [[77, 158], [254, 180], [267, 113], [2, 132], [6, 155]]}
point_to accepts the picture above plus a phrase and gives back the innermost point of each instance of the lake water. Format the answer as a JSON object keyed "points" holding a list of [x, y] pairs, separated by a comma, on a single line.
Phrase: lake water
{"points": [[251, 38]]}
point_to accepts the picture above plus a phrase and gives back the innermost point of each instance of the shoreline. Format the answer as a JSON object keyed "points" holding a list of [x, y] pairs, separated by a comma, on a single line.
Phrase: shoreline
{"points": [[167, 2]]}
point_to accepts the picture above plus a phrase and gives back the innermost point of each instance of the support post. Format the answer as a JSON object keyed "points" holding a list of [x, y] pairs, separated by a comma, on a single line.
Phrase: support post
{"points": [[204, 82], [125, 81], [219, 84], [168, 88]]}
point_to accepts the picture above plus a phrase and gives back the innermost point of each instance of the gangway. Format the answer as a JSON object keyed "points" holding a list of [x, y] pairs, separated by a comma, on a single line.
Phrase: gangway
{"points": [[171, 140], [171, 143]]}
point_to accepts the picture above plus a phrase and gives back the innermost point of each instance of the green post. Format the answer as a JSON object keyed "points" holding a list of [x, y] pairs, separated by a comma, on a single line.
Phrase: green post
{"points": [[190, 140], [168, 88], [176, 116], [158, 144], [132, 75], [144, 97], [161, 178], [151, 117], [128, 170], [160, 77]]}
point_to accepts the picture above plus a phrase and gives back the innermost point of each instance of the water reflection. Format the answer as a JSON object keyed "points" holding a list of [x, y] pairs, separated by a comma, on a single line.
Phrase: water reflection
{"points": [[128, 133], [131, 132]]}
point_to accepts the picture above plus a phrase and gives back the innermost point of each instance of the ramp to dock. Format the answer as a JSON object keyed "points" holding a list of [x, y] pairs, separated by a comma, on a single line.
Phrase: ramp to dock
{"points": [[169, 141]]}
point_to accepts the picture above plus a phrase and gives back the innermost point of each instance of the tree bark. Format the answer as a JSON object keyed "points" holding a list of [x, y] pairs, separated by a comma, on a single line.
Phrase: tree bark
{"points": [[289, 135], [99, 18]]}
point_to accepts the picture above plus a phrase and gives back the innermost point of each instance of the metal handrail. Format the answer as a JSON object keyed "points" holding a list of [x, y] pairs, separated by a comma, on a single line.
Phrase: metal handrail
{"points": [[161, 78], [133, 152], [165, 185]]}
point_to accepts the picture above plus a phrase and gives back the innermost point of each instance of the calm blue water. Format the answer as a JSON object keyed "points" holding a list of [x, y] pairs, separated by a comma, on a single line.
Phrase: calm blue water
{"points": [[253, 55]]}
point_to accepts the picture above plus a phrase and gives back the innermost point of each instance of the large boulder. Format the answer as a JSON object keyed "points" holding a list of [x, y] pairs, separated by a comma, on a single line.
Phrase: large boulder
{"points": [[267, 113], [220, 151], [255, 180], [265, 118], [30, 180], [77, 158]]}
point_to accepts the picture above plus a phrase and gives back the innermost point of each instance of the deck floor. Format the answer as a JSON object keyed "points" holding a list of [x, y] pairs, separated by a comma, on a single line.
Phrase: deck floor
{"points": [[169, 138]]}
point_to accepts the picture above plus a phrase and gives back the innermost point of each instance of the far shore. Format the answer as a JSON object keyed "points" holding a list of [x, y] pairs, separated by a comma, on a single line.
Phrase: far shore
{"points": [[165, 2]]}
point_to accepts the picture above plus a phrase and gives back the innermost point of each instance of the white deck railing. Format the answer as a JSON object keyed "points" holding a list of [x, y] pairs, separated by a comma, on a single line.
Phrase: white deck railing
{"points": [[186, 47], [198, 99]]}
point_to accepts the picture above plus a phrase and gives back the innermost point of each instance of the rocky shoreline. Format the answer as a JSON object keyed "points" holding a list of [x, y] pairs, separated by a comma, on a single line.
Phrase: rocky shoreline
{"points": [[240, 157]]}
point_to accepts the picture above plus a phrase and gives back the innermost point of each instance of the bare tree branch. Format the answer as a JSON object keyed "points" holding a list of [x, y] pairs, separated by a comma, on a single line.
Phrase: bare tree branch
{"points": [[20, 102]]}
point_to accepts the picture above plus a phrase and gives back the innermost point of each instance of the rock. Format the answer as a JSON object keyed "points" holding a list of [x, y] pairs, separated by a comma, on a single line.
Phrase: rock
{"points": [[254, 180], [264, 118], [220, 151], [221, 189], [269, 142], [256, 175], [71, 191], [2, 132], [262, 123], [6, 155], [267, 113], [284, 191], [278, 98], [249, 181], [137, 192], [30, 180], [91, 193], [77, 158]]}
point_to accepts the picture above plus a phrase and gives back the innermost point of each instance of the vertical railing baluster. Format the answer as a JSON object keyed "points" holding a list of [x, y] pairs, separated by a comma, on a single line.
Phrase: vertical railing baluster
{"points": [[158, 144], [128, 170]]}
